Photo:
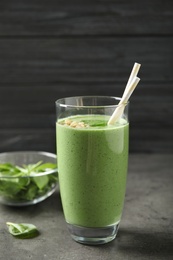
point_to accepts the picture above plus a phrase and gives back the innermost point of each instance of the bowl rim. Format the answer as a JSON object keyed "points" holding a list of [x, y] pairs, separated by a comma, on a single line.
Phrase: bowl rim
{"points": [[52, 155]]}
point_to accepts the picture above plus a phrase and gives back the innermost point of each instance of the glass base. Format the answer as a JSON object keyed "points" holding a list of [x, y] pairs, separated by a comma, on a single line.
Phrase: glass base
{"points": [[93, 236]]}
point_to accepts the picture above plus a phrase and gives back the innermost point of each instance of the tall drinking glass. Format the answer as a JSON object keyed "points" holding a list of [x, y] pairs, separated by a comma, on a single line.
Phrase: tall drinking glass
{"points": [[92, 165]]}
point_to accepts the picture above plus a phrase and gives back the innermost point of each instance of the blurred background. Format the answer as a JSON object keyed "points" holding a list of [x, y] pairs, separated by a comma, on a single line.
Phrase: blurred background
{"points": [[57, 48]]}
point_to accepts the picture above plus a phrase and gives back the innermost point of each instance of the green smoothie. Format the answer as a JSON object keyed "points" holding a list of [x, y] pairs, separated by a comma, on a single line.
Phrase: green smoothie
{"points": [[92, 165]]}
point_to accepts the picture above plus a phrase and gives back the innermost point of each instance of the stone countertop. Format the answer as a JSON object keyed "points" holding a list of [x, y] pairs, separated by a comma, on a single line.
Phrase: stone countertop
{"points": [[146, 230]]}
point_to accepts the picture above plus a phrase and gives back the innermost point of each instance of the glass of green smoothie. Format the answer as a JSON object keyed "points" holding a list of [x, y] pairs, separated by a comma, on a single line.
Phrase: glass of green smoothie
{"points": [[92, 165]]}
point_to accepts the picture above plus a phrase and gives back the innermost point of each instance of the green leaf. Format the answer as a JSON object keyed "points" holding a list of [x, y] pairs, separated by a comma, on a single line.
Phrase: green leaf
{"points": [[41, 181], [28, 169], [29, 194], [7, 169], [32, 167], [22, 230], [46, 167], [96, 123], [13, 185], [5, 166]]}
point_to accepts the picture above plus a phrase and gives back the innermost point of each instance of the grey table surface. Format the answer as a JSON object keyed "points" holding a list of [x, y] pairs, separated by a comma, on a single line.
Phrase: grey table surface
{"points": [[146, 230]]}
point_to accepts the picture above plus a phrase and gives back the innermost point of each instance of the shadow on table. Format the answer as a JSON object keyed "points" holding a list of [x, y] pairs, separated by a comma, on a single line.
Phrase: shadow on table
{"points": [[156, 244]]}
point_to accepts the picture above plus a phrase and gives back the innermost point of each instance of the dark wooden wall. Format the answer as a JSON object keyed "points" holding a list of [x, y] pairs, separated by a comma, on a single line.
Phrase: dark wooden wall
{"points": [[56, 48]]}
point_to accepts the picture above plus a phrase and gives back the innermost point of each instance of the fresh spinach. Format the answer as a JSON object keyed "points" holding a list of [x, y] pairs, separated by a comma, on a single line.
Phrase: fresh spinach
{"points": [[95, 123], [22, 230], [27, 182]]}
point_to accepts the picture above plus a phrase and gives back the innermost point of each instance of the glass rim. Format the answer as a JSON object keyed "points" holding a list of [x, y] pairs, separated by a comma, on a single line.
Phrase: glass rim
{"points": [[60, 102]]}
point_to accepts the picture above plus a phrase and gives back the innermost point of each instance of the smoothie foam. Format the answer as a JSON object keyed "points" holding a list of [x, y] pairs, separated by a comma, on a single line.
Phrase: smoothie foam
{"points": [[92, 165]]}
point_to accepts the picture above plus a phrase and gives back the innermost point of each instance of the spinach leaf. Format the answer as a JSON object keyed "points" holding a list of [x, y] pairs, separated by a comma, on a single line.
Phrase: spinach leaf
{"points": [[44, 167], [22, 230], [41, 181], [29, 194], [8, 169], [29, 169], [95, 123], [11, 186]]}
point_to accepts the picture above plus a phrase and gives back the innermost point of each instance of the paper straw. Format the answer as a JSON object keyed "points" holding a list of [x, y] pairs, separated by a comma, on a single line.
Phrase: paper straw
{"points": [[130, 87]]}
